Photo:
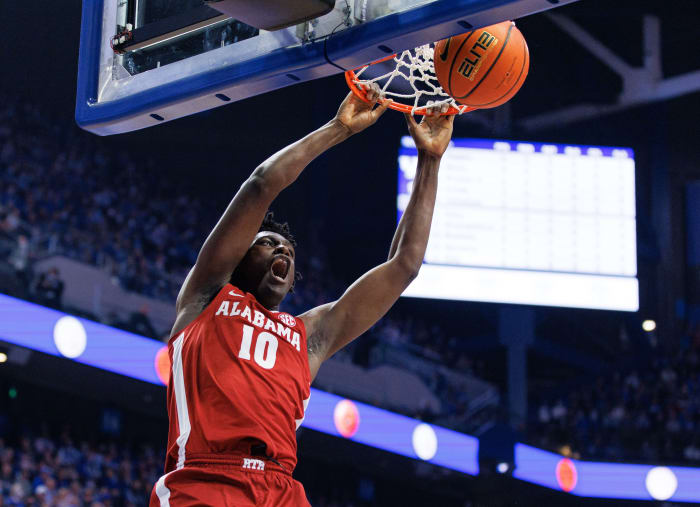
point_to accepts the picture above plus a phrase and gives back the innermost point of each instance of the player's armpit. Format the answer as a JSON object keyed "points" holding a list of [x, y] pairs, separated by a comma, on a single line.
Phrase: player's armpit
{"points": [[332, 326], [315, 340]]}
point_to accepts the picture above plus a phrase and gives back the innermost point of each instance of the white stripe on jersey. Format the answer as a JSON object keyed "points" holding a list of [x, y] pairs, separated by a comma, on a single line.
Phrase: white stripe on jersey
{"points": [[306, 404], [163, 492], [183, 416]]}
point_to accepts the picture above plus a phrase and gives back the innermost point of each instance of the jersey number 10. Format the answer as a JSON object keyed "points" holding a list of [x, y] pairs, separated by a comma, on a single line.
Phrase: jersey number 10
{"points": [[265, 347]]}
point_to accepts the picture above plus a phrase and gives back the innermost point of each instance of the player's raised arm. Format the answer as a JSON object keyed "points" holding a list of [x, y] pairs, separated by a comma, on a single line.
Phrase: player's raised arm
{"points": [[230, 239], [332, 326]]}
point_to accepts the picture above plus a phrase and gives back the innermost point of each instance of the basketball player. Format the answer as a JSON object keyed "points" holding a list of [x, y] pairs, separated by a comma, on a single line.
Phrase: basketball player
{"points": [[242, 370]]}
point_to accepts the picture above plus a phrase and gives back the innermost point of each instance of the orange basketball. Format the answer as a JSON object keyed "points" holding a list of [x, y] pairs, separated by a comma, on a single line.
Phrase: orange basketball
{"points": [[483, 68]]}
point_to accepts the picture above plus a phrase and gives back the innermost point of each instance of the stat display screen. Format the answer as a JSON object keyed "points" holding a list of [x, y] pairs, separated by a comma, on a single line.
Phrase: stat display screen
{"points": [[529, 223]]}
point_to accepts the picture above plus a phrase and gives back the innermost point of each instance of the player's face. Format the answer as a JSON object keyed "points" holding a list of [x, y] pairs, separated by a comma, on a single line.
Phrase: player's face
{"points": [[268, 268]]}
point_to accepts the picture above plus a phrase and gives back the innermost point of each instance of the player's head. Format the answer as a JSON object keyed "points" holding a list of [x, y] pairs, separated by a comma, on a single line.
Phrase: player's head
{"points": [[268, 269]]}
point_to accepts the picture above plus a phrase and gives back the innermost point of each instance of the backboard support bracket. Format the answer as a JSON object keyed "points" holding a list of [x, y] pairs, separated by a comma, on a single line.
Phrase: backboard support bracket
{"points": [[168, 28]]}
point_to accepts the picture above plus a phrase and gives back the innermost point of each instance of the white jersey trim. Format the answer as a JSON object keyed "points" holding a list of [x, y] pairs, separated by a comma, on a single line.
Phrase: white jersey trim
{"points": [[183, 416], [306, 404], [163, 492]]}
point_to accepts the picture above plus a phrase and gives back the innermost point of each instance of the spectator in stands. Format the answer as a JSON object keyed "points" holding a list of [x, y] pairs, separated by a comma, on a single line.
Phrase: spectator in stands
{"points": [[649, 416], [49, 288], [139, 323], [19, 258]]}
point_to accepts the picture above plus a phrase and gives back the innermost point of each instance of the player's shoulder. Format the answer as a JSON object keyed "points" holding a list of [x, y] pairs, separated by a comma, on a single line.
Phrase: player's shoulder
{"points": [[193, 311]]}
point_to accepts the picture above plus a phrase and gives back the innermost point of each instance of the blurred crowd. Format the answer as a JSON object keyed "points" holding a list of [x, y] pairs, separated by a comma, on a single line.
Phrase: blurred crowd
{"points": [[39, 471], [60, 193], [650, 414]]}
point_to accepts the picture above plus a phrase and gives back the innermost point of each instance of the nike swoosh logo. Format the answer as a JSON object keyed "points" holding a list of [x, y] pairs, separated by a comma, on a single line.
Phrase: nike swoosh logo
{"points": [[443, 53], [235, 294]]}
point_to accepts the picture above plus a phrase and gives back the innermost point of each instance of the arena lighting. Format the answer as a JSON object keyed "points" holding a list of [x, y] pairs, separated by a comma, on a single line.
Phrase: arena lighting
{"points": [[606, 480], [346, 418], [395, 433], [52, 332], [648, 325], [69, 337], [425, 442], [661, 483], [3, 357]]}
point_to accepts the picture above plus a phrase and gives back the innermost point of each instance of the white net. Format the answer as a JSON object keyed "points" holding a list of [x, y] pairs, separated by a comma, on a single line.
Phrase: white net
{"points": [[411, 77]]}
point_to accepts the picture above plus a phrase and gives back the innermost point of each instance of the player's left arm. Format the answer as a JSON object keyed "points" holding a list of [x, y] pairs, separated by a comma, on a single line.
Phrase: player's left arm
{"points": [[332, 326]]}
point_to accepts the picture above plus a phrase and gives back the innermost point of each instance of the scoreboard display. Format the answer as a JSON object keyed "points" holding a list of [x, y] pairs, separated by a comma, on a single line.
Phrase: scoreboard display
{"points": [[529, 223]]}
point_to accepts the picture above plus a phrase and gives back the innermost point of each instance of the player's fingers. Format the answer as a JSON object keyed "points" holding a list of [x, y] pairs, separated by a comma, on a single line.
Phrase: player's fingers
{"points": [[364, 97], [447, 120], [435, 110], [383, 106], [410, 121], [373, 92], [354, 98]]}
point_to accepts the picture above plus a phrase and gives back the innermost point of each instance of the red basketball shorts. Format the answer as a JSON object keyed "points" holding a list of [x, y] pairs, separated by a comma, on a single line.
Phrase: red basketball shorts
{"points": [[243, 482]]}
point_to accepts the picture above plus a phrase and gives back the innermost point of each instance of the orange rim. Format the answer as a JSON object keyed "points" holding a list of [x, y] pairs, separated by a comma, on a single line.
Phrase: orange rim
{"points": [[351, 77]]}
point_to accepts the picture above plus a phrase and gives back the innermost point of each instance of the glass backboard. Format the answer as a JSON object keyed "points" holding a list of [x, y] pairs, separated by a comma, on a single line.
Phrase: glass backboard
{"points": [[144, 62]]}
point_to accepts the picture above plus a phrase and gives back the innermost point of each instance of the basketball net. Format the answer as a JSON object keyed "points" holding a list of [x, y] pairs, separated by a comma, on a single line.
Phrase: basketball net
{"points": [[413, 67]]}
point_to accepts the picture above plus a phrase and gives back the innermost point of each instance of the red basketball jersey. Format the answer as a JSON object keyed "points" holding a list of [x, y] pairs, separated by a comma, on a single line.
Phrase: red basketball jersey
{"points": [[240, 377]]}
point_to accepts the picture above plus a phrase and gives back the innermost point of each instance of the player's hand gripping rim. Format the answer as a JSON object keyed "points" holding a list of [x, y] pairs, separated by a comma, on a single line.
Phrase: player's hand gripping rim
{"points": [[355, 115], [432, 135]]}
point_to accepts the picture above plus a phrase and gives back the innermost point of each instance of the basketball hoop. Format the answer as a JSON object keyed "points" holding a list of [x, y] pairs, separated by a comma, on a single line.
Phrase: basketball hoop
{"points": [[412, 78]]}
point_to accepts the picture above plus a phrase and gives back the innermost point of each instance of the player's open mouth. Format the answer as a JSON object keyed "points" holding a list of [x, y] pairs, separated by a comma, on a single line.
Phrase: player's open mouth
{"points": [[280, 267]]}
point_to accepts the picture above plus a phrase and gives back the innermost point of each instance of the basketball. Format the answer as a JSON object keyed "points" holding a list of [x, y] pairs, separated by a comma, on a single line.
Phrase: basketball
{"points": [[483, 68]]}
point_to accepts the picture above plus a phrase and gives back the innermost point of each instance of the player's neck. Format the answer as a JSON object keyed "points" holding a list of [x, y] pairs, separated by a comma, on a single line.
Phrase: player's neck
{"points": [[268, 299]]}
